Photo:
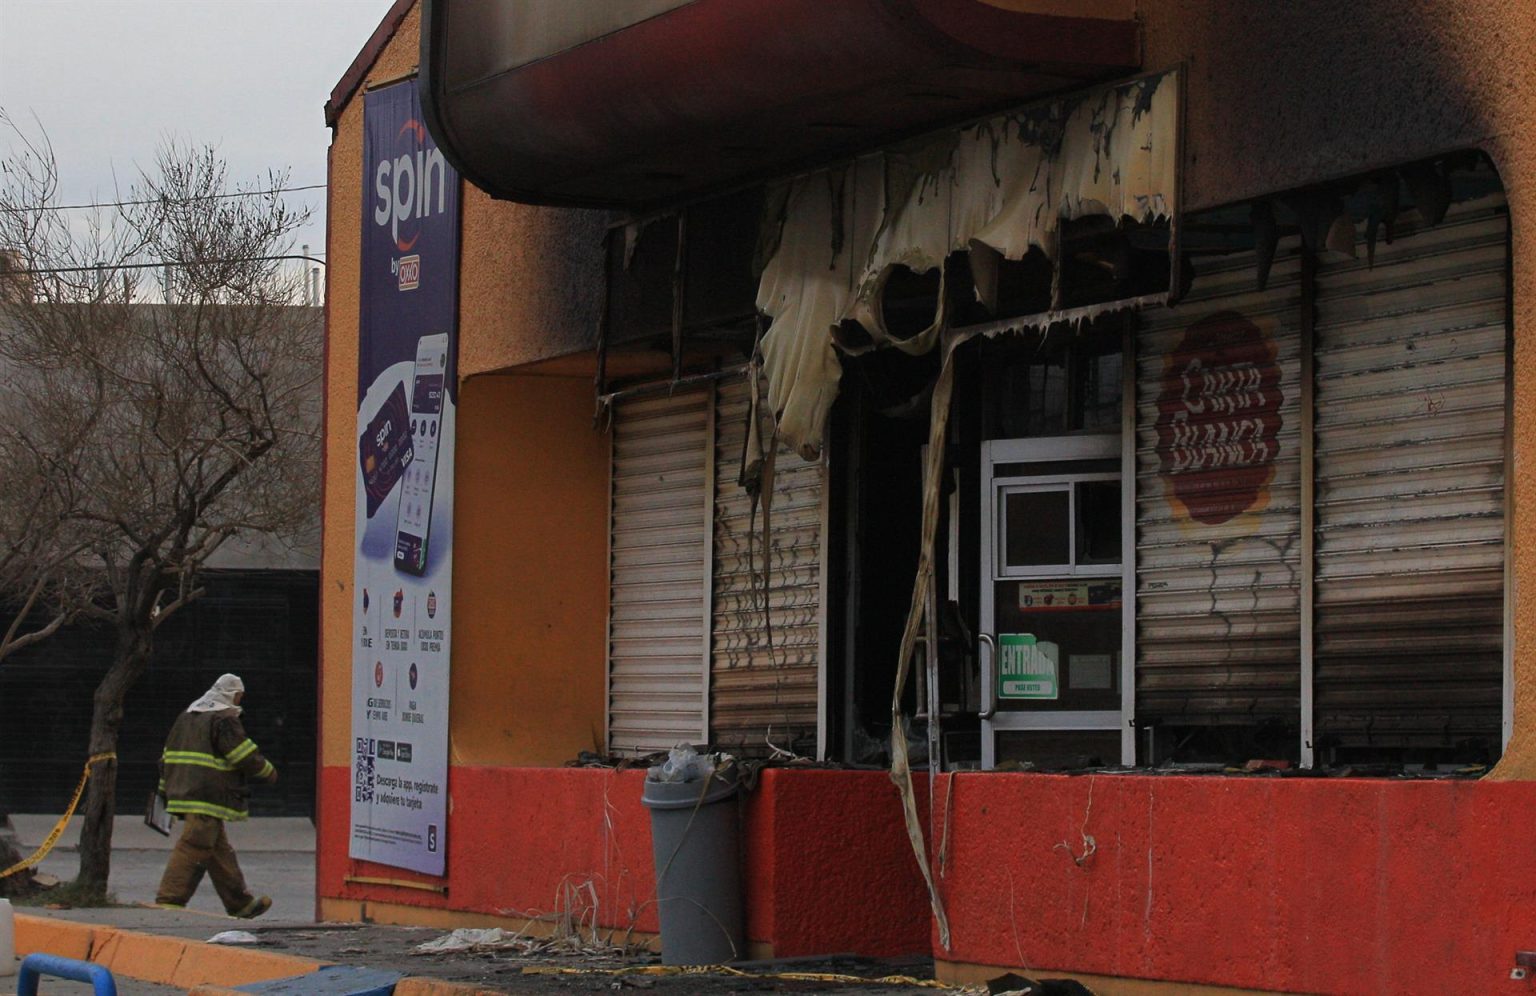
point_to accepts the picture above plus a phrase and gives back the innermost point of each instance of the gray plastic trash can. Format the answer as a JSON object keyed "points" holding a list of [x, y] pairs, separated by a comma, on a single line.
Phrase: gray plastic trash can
{"points": [[694, 831]]}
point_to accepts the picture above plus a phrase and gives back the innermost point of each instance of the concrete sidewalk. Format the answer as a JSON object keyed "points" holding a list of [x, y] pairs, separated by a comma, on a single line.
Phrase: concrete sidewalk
{"points": [[155, 952], [169, 957], [277, 855], [264, 833]]}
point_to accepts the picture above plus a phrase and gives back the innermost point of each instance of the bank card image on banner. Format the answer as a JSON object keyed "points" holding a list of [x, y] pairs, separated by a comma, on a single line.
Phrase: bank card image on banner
{"points": [[384, 449]]}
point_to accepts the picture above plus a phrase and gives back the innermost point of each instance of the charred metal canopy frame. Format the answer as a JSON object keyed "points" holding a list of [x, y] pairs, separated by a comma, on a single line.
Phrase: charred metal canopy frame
{"points": [[638, 104]]}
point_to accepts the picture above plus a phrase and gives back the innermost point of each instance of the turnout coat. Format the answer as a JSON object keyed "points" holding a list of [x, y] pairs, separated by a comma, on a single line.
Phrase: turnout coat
{"points": [[207, 765]]}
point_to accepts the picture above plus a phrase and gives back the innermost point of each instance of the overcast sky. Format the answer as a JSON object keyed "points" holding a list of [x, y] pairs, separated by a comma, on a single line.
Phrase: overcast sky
{"points": [[110, 79]]}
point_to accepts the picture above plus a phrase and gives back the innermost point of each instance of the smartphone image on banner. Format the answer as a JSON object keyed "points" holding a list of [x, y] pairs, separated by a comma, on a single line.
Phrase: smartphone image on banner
{"points": [[418, 482]]}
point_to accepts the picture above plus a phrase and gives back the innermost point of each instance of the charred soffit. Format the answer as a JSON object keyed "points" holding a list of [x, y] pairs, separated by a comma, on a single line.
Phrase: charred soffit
{"points": [[1051, 212], [536, 102]]}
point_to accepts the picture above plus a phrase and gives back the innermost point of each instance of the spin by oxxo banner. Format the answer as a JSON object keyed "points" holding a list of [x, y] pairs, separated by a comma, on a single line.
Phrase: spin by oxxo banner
{"points": [[406, 397]]}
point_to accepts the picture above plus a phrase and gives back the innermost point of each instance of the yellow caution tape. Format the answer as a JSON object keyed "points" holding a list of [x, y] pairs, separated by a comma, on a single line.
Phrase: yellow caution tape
{"points": [[883, 980], [58, 828]]}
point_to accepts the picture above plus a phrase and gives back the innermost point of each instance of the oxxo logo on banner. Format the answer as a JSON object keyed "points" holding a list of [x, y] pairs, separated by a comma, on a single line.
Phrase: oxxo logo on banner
{"points": [[405, 187], [408, 269]]}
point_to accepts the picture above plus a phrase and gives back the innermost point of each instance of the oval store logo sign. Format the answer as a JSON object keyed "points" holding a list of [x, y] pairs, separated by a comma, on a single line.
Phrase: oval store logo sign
{"points": [[1218, 418]]}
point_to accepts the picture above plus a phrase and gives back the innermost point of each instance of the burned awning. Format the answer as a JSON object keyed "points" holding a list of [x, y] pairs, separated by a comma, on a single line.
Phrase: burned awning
{"points": [[638, 104], [996, 191]]}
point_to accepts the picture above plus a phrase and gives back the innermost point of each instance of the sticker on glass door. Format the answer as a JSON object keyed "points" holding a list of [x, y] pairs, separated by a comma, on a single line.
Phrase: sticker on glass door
{"points": [[1027, 668]]}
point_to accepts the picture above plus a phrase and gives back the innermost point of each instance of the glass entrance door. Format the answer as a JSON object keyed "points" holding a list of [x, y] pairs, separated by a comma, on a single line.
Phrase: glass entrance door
{"points": [[1052, 612]]}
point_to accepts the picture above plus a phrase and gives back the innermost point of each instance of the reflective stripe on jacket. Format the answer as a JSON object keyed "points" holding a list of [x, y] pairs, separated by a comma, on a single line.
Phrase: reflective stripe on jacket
{"points": [[207, 765]]}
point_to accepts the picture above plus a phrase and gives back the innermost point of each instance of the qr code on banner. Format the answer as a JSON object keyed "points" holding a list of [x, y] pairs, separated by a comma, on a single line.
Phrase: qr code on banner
{"points": [[362, 789]]}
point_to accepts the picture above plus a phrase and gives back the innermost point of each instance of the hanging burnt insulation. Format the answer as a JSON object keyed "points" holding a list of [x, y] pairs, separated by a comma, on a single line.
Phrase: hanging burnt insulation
{"points": [[1055, 204], [1382, 213], [986, 286], [1430, 188], [1266, 237], [1326, 217], [901, 765], [1316, 211], [869, 243]]}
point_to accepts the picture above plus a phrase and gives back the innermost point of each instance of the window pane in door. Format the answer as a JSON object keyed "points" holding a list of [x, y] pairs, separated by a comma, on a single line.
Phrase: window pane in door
{"points": [[1038, 528], [1076, 624], [1098, 522]]}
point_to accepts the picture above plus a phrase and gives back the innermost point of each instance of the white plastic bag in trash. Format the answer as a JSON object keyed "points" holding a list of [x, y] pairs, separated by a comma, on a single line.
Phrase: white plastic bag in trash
{"points": [[684, 764]]}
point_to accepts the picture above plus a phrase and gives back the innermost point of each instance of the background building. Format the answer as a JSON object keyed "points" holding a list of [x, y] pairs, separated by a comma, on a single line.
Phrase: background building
{"points": [[257, 618], [258, 623]]}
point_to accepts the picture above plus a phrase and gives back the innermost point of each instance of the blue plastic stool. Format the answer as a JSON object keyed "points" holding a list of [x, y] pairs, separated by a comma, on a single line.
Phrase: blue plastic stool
{"points": [[329, 980], [33, 966]]}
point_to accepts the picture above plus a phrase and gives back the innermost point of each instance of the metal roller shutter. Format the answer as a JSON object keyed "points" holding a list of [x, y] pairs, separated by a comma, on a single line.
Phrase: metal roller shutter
{"points": [[659, 569], [764, 690], [1218, 498], [1411, 368]]}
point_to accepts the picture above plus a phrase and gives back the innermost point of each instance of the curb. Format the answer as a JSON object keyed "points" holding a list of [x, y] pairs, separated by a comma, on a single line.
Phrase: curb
{"points": [[156, 958], [201, 968], [411, 985], [415, 985]]}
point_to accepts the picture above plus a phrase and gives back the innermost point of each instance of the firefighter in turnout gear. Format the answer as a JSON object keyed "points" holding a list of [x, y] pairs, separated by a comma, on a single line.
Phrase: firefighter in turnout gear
{"points": [[204, 773]]}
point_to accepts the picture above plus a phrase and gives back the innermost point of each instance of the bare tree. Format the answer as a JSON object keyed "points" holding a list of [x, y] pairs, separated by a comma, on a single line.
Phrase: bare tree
{"points": [[139, 436]]}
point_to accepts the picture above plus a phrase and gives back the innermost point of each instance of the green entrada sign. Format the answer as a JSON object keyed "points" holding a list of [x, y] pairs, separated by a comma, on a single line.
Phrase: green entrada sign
{"points": [[1026, 668]]}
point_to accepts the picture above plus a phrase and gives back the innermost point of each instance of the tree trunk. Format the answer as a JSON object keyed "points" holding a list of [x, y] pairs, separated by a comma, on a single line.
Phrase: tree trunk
{"points": [[19, 884], [128, 663]]}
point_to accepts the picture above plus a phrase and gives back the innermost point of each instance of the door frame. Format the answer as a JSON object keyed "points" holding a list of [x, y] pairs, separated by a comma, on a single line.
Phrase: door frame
{"points": [[1053, 449]]}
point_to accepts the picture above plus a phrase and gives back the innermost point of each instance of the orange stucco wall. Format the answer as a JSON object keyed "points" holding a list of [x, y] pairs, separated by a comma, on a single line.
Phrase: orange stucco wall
{"points": [[531, 482], [529, 289], [343, 280], [529, 572]]}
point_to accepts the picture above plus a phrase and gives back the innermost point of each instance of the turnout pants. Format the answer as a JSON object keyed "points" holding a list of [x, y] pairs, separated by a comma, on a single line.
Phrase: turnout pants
{"points": [[204, 847]]}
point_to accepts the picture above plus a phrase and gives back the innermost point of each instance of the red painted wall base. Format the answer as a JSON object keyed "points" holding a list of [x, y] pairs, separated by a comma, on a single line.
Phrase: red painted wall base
{"points": [[826, 864], [1294, 884]]}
